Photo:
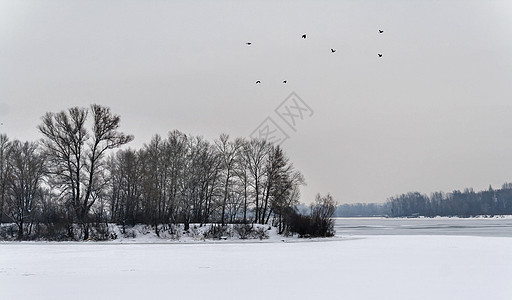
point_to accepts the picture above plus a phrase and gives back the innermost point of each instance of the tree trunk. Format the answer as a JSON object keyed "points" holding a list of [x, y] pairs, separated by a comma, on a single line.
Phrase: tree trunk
{"points": [[245, 204], [20, 230], [85, 229], [268, 217], [267, 195], [225, 198]]}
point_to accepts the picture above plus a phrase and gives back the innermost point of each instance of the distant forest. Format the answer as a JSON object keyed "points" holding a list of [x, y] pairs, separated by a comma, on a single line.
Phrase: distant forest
{"points": [[362, 210], [71, 184], [463, 204]]}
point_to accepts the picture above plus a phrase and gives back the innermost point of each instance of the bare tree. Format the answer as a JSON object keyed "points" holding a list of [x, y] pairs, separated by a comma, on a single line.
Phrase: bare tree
{"points": [[322, 212], [243, 178], [27, 167], [228, 151], [202, 178], [176, 151], [4, 172], [151, 182], [284, 184], [255, 153], [77, 153], [211, 166], [124, 187], [276, 183]]}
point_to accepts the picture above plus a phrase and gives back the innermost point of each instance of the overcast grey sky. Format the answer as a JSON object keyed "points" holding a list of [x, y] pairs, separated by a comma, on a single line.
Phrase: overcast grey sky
{"points": [[434, 113]]}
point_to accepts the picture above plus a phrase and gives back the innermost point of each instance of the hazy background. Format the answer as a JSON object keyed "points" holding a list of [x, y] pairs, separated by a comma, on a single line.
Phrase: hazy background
{"points": [[434, 113]]}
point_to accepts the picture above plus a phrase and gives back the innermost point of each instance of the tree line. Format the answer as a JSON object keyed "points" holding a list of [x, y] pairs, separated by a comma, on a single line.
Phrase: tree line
{"points": [[465, 203], [362, 210], [71, 184]]}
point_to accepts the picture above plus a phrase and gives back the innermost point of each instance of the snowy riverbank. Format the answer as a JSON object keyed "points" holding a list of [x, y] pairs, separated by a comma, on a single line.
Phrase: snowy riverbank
{"points": [[206, 233]]}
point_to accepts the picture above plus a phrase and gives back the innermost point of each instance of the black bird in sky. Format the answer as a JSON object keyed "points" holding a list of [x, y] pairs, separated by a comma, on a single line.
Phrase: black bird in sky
{"points": [[248, 43], [284, 81], [381, 31], [304, 36], [257, 81], [333, 50], [380, 54]]}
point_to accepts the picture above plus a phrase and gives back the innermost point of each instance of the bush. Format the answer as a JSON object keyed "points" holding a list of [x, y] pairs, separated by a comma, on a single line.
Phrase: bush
{"points": [[318, 224], [99, 232], [217, 232], [130, 233], [243, 230], [246, 231], [8, 232], [261, 233]]}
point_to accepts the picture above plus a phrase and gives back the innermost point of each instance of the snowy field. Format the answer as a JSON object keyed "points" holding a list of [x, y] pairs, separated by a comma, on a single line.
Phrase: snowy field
{"points": [[353, 267]]}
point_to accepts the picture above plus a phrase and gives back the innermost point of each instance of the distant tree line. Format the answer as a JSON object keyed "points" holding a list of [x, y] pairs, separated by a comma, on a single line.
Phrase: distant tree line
{"points": [[362, 210], [70, 184], [463, 204]]}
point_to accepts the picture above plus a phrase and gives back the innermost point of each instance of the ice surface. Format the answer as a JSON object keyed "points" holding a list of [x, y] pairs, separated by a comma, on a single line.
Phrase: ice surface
{"points": [[492, 227], [366, 267]]}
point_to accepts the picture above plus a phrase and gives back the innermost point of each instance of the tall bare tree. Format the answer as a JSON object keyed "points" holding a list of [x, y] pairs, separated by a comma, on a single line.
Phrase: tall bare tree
{"points": [[243, 178], [152, 182], [124, 187], [77, 153], [282, 184], [176, 150], [27, 167], [228, 151], [4, 172], [255, 153], [208, 165]]}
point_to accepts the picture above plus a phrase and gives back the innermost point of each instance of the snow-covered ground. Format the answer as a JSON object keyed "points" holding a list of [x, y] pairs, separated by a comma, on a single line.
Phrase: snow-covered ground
{"points": [[196, 234], [356, 267]]}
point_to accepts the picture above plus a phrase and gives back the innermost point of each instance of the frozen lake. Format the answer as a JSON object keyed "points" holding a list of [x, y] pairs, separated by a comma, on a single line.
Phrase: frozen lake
{"points": [[484, 227], [369, 259], [371, 267]]}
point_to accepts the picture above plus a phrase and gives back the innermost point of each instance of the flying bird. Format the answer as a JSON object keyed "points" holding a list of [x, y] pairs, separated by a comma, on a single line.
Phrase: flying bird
{"points": [[284, 81], [381, 31], [248, 43], [333, 50], [304, 36], [257, 81], [380, 54]]}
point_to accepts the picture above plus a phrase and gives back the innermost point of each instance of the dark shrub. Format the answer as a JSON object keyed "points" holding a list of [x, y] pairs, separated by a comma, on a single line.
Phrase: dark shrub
{"points": [[318, 224]]}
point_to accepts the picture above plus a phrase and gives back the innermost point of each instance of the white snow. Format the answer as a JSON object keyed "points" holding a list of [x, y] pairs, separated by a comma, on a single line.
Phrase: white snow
{"points": [[196, 234], [365, 267]]}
